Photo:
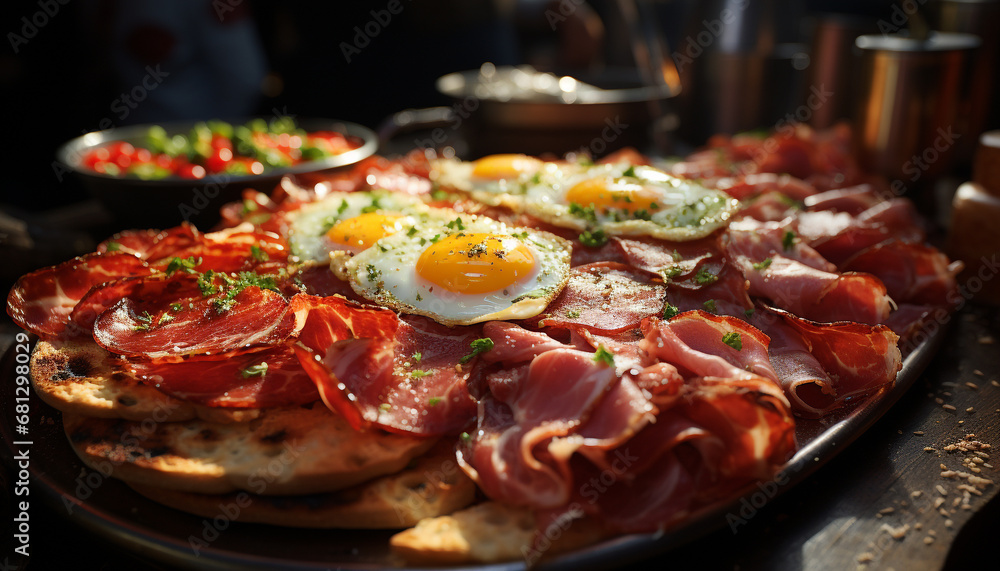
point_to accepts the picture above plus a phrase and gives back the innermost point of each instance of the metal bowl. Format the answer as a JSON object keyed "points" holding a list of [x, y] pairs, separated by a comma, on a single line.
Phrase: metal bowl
{"points": [[169, 201]]}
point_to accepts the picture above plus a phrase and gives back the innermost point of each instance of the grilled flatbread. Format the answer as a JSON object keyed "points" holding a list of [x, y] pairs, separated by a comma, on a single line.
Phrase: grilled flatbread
{"points": [[431, 486], [291, 450], [490, 532], [81, 378]]}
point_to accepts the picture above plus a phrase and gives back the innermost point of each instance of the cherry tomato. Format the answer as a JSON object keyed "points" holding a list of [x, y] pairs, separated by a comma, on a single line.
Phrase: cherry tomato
{"points": [[190, 171], [219, 159]]}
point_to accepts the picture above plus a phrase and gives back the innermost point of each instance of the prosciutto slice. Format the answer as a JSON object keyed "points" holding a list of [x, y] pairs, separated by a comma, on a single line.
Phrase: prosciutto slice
{"points": [[680, 428], [43, 300], [271, 377], [912, 273], [374, 368], [172, 328], [822, 366], [605, 298]]}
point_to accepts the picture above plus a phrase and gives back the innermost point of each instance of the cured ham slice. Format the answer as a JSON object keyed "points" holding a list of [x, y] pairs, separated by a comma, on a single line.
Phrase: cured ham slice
{"points": [[675, 434], [42, 301], [260, 379], [152, 244], [912, 273], [401, 374], [605, 298], [823, 365], [524, 442], [796, 278], [853, 200], [230, 250], [173, 328], [838, 235]]}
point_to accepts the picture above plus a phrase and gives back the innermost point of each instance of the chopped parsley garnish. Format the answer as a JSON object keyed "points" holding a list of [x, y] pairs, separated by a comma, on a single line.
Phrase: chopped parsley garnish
{"points": [[535, 178], [762, 265], [572, 314], [602, 355], [705, 277], [244, 280], [585, 212], [206, 285], [420, 297], [371, 207], [411, 231], [456, 223], [342, 207], [438, 194], [677, 256], [710, 306], [417, 356], [520, 235], [258, 255], [748, 313], [630, 172], [788, 240], [417, 373], [642, 215], [734, 340], [187, 264], [669, 311], [465, 437], [373, 273], [254, 371], [671, 272], [433, 401], [113, 247], [478, 346], [176, 307], [434, 239], [594, 239]]}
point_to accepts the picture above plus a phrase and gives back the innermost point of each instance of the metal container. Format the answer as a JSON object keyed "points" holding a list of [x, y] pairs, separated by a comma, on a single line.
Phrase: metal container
{"points": [[914, 104]]}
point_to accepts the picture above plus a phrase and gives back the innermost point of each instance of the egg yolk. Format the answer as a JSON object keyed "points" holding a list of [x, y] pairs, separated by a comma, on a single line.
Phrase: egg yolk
{"points": [[498, 167], [475, 263], [361, 232], [605, 195]]}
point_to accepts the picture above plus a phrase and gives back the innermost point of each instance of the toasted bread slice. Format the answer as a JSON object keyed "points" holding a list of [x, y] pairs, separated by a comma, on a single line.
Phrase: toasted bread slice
{"points": [[490, 532], [81, 378], [431, 486], [291, 450]]}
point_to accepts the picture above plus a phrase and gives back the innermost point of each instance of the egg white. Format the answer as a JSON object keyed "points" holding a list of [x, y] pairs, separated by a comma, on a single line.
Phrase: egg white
{"points": [[386, 274], [687, 210], [307, 227]]}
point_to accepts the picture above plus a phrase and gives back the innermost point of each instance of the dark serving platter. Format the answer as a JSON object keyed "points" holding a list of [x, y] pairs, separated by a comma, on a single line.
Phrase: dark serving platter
{"points": [[111, 510]]}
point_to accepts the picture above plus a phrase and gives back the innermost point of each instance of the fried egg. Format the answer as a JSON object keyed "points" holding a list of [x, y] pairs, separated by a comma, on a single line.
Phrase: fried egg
{"points": [[495, 179], [629, 200], [350, 222], [470, 270]]}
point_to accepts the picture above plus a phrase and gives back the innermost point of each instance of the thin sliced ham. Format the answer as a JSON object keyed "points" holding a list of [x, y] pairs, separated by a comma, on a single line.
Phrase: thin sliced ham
{"points": [[173, 328], [912, 273], [374, 368], [257, 379], [605, 298], [43, 300]]}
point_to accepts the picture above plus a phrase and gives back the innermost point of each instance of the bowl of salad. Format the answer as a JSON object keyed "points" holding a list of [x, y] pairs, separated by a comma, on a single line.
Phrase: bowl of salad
{"points": [[161, 175]]}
